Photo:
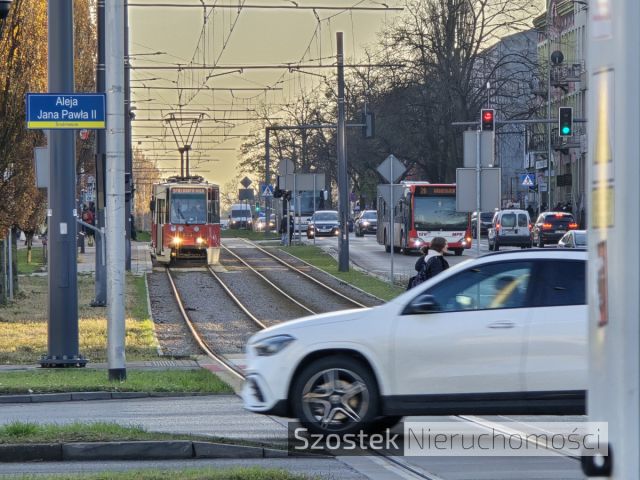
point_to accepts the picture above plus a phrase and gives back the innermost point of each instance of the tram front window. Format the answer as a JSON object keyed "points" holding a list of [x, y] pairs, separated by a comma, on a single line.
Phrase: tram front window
{"points": [[188, 208]]}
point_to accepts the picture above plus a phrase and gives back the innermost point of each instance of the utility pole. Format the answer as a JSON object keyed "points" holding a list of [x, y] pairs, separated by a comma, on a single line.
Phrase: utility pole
{"points": [[343, 179], [267, 179], [63, 348], [100, 299], [116, 230], [549, 151], [128, 154]]}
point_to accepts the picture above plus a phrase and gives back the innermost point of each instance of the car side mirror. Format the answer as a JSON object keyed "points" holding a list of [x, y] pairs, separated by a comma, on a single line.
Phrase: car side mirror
{"points": [[423, 303]]}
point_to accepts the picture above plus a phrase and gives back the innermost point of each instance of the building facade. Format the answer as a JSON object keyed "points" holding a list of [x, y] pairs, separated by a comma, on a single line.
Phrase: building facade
{"points": [[562, 82]]}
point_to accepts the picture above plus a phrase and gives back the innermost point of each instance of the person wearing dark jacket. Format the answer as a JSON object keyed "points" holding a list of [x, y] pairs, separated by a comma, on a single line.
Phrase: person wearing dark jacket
{"points": [[420, 263], [434, 262]]}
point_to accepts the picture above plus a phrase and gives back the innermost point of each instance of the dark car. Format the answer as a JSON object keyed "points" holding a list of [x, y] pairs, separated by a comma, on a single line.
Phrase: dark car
{"points": [[550, 227], [485, 223], [367, 222], [324, 223]]}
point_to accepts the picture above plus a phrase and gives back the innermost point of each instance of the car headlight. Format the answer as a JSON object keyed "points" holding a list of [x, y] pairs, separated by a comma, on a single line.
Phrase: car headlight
{"points": [[272, 345], [365, 224]]}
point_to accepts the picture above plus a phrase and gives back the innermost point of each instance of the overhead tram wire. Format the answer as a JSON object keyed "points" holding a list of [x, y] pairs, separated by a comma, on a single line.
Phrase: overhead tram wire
{"points": [[268, 7], [285, 66]]}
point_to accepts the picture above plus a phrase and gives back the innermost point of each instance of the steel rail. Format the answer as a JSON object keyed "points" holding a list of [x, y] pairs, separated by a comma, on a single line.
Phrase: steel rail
{"points": [[273, 285], [233, 369], [236, 300], [306, 275]]}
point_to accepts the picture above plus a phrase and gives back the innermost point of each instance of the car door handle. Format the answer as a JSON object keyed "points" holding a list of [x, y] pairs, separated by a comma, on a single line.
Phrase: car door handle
{"points": [[502, 324]]}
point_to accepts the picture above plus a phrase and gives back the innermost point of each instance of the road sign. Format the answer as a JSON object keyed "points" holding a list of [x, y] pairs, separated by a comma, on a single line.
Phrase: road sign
{"points": [[66, 110], [470, 150], [286, 167], [246, 181], [246, 194], [391, 169], [42, 161], [267, 191], [490, 191], [528, 180]]}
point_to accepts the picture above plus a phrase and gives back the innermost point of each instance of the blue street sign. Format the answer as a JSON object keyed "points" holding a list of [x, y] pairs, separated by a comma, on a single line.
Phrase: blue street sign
{"points": [[528, 180], [66, 110], [266, 190]]}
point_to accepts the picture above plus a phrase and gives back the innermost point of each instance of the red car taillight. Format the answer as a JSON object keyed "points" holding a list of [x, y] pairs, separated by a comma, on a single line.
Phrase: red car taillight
{"points": [[573, 226], [547, 226]]}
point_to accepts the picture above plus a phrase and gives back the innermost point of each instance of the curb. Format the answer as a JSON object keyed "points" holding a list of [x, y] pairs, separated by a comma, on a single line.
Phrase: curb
{"points": [[87, 396], [138, 450]]}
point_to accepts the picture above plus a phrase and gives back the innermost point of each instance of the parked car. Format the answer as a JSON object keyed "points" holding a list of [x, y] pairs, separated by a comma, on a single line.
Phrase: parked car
{"points": [[510, 228], [323, 223], [573, 239], [500, 334], [367, 222], [485, 223], [550, 227]]}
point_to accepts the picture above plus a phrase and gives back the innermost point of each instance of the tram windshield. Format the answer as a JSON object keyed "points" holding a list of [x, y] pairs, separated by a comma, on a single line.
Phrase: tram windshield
{"points": [[188, 207]]}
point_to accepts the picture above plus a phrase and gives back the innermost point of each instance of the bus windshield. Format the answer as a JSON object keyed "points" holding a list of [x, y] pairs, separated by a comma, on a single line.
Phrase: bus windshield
{"points": [[438, 213], [188, 207]]}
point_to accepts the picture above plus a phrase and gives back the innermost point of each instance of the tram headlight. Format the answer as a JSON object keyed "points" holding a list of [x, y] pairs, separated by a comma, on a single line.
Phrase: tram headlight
{"points": [[199, 240], [176, 240]]}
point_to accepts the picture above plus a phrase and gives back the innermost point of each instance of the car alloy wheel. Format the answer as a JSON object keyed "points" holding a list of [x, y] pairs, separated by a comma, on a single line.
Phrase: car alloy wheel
{"points": [[335, 395]]}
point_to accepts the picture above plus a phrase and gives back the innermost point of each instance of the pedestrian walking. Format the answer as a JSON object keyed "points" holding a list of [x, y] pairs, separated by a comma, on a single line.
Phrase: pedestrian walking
{"points": [[424, 251], [434, 261]]}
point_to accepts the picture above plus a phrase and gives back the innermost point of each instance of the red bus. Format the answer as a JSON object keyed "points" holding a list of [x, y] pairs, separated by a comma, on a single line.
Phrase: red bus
{"points": [[422, 211], [186, 220]]}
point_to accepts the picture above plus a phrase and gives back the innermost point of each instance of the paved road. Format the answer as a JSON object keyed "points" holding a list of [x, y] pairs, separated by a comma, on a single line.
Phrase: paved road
{"points": [[366, 253], [223, 415]]}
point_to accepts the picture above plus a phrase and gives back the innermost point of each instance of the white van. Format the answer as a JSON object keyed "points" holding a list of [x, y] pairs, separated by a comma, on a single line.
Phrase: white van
{"points": [[240, 216], [510, 228]]}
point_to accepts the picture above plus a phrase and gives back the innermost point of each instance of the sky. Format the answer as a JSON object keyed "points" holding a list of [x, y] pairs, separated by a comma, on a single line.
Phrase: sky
{"points": [[250, 37]]}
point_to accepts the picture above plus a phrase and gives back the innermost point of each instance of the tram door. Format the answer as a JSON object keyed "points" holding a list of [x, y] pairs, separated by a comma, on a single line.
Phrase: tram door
{"points": [[159, 220]]}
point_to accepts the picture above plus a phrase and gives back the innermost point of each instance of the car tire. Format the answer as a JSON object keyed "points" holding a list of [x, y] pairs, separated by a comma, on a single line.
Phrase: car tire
{"points": [[540, 242], [334, 378]]}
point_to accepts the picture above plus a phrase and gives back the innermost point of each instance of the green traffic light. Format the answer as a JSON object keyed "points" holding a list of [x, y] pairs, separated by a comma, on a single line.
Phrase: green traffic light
{"points": [[566, 130]]}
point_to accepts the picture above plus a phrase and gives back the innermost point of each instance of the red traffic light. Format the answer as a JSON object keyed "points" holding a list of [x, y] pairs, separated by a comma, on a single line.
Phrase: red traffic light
{"points": [[487, 117]]}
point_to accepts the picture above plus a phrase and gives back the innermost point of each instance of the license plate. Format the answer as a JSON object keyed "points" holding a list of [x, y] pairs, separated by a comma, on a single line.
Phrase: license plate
{"points": [[560, 231]]}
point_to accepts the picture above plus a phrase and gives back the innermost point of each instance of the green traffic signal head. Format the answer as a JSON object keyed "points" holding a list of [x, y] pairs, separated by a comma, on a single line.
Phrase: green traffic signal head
{"points": [[565, 120], [566, 130]]}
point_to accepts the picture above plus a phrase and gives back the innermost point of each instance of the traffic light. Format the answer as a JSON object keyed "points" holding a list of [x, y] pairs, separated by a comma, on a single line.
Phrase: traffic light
{"points": [[565, 121], [277, 193], [369, 125], [257, 207], [487, 119]]}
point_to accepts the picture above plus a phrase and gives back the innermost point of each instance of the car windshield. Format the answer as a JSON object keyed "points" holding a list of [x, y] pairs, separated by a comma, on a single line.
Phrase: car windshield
{"points": [[240, 213], [325, 217], [581, 239], [486, 216], [438, 213], [369, 216]]}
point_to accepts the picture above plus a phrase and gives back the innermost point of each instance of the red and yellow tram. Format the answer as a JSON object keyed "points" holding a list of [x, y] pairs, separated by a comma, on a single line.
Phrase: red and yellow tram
{"points": [[186, 220]]}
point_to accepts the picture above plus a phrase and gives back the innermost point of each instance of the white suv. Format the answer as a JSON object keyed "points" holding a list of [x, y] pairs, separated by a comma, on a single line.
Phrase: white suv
{"points": [[501, 334]]}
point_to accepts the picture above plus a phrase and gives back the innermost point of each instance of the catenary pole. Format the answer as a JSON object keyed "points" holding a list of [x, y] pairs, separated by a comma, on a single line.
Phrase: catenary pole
{"points": [[343, 180], [267, 179], [100, 299], [128, 178], [116, 231], [63, 348]]}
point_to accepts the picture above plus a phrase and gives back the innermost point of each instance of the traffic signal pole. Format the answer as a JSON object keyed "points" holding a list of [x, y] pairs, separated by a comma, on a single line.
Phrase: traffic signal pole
{"points": [[63, 344]]}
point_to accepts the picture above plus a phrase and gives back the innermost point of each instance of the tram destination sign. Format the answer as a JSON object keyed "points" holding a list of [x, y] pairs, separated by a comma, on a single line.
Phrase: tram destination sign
{"points": [[66, 111]]}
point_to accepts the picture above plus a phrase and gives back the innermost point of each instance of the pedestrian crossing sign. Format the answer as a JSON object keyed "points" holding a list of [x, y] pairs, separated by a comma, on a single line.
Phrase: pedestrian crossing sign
{"points": [[267, 191], [527, 180]]}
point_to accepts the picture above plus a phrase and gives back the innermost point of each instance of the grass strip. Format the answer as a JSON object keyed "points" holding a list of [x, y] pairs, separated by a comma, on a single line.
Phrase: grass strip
{"points": [[142, 236], [28, 433], [37, 261], [23, 323], [317, 257], [249, 234], [243, 473], [91, 380]]}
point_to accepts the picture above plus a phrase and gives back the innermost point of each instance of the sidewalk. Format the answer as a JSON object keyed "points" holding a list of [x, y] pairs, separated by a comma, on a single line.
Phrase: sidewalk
{"points": [[140, 259]]}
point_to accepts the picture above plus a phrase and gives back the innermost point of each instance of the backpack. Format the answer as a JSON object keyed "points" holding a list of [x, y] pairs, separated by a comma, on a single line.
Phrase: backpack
{"points": [[426, 272]]}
